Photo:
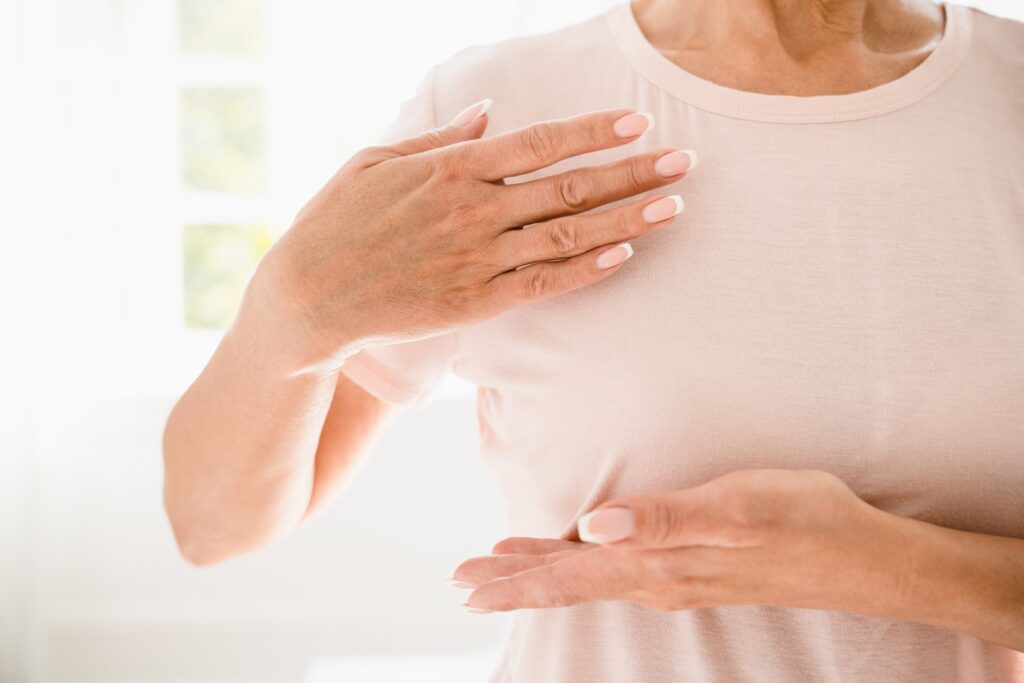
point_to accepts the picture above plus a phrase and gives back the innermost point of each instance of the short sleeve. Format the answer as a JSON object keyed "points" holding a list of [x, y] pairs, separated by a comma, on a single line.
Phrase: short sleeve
{"points": [[406, 373]]}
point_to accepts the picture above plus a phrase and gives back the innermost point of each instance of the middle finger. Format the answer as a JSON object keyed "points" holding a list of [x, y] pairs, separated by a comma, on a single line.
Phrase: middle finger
{"points": [[585, 188]]}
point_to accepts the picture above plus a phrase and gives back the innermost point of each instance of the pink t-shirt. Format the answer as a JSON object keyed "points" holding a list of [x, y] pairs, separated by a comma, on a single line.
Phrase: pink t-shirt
{"points": [[844, 291]]}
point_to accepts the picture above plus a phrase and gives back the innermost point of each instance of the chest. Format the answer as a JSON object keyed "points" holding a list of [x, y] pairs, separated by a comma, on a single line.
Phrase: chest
{"points": [[875, 331]]}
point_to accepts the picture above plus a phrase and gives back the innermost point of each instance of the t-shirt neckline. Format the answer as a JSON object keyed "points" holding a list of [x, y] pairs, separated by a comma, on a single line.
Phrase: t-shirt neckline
{"points": [[909, 88]]}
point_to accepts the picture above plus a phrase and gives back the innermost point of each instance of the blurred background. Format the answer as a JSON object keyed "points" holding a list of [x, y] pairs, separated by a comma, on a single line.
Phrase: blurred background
{"points": [[150, 151]]}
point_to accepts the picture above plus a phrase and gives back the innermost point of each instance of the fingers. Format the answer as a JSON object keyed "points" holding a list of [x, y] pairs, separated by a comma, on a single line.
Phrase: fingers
{"points": [[467, 125], [571, 580], [659, 520], [585, 188], [571, 235], [528, 544], [542, 144], [477, 570], [539, 281], [514, 554]]}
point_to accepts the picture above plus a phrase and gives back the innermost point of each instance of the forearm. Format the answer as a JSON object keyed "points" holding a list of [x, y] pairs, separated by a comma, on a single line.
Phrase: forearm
{"points": [[240, 445], [967, 582]]}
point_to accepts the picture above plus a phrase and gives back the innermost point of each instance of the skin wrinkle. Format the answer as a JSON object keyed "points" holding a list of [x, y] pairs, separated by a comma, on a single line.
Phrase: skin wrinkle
{"points": [[794, 47]]}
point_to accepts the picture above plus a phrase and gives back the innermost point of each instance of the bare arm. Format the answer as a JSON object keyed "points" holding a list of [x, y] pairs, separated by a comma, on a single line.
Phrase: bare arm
{"points": [[792, 538], [964, 581], [406, 241], [300, 435], [353, 424]]}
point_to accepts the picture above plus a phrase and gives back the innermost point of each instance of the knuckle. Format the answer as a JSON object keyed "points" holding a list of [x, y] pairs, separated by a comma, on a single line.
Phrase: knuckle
{"points": [[752, 515], [434, 137], [595, 129], [572, 191], [465, 214], [538, 283], [539, 142], [665, 521], [562, 237], [457, 298], [369, 155], [636, 175], [446, 166], [627, 224]]}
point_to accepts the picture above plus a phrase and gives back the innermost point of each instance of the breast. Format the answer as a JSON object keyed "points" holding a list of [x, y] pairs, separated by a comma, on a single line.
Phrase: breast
{"points": [[572, 416], [774, 333]]}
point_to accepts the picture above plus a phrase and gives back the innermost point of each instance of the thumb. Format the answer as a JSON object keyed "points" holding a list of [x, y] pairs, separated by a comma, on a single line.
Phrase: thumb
{"points": [[469, 124], [657, 520]]}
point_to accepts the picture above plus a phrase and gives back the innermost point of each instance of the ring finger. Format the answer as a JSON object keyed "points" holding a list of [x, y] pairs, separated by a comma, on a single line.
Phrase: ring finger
{"points": [[568, 236]]}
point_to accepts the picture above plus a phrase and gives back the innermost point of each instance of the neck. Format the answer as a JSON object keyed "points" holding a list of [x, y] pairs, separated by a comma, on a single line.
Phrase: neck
{"points": [[759, 42]]}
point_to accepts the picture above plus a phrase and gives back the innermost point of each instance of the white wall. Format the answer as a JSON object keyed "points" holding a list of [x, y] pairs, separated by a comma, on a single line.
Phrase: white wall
{"points": [[112, 600], [91, 587]]}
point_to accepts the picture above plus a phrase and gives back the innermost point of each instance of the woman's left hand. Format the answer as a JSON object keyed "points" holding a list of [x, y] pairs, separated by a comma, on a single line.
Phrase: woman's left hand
{"points": [[794, 538]]}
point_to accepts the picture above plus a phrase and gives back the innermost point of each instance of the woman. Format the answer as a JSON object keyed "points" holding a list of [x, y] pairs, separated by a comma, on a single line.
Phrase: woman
{"points": [[800, 400]]}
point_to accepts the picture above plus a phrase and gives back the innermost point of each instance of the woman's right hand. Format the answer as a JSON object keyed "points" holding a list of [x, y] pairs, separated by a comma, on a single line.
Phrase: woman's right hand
{"points": [[416, 238]]}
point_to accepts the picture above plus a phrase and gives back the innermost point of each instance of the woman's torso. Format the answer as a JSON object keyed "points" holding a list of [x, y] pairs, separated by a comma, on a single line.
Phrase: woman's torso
{"points": [[844, 291]]}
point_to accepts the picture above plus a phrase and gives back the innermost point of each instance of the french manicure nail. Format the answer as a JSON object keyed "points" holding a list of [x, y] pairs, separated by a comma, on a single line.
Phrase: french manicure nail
{"points": [[633, 124], [606, 525], [472, 112], [615, 255], [662, 209], [675, 163]]}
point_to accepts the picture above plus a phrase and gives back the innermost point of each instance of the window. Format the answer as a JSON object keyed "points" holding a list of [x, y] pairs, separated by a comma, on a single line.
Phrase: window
{"points": [[183, 137], [222, 149]]}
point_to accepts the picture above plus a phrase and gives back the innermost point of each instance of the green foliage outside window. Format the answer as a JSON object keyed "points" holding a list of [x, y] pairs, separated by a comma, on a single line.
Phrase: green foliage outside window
{"points": [[222, 132], [220, 27], [222, 139], [219, 260]]}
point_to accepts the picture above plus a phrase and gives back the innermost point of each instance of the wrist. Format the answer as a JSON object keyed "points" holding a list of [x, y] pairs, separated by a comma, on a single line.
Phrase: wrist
{"points": [[273, 319], [949, 578]]}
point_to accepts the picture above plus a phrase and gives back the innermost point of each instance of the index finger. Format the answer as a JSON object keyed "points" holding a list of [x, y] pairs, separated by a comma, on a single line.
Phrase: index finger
{"points": [[579, 578], [532, 545], [533, 147]]}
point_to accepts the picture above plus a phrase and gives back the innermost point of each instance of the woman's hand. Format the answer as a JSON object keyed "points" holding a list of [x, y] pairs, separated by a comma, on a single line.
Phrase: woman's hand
{"points": [[413, 239], [797, 538], [791, 538], [406, 241]]}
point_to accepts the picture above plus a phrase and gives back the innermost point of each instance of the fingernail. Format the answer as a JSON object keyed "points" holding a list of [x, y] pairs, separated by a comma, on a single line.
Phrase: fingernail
{"points": [[472, 112], [662, 209], [607, 525], [476, 610], [633, 124], [675, 163], [463, 584], [615, 255]]}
